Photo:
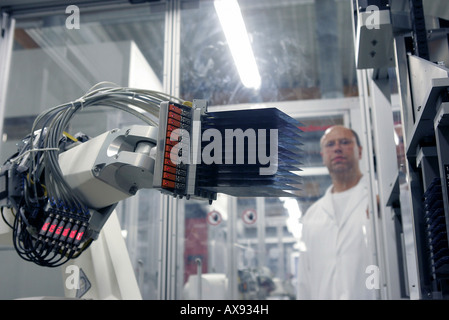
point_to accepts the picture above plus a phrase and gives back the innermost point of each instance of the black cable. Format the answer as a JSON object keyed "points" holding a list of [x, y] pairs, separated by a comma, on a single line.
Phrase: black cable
{"points": [[4, 219], [44, 189]]}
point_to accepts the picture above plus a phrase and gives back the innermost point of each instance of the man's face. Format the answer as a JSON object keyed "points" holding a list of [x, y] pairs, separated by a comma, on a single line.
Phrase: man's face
{"points": [[340, 151]]}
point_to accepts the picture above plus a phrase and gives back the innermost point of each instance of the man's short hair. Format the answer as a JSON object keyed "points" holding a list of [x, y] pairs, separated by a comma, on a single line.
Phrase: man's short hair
{"points": [[356, 136]]}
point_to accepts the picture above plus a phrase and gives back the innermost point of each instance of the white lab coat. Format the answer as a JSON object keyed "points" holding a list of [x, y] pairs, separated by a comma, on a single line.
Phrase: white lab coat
{"points": [[334, 262]]}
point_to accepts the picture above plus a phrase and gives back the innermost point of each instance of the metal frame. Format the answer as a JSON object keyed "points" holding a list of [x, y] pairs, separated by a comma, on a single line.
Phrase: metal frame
{"points": [[47, 8], [387, 181], [170, 224], [367, 138], [377, 110], [127, 289], [424, 83], [369, 160], [6, 41], [423, 91], [405, 96]]}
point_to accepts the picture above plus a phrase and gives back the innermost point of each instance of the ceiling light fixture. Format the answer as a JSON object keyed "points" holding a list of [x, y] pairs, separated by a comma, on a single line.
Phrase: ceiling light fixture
{"points": [[234, 28]]}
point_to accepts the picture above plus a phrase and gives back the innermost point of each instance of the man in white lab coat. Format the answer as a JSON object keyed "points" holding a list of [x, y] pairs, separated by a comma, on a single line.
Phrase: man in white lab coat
{"points": [[337, 258]]}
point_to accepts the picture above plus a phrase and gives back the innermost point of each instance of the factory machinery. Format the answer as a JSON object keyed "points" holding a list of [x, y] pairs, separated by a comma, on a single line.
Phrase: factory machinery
{"points": [[59, 191], [60, 188], [402, 50]]}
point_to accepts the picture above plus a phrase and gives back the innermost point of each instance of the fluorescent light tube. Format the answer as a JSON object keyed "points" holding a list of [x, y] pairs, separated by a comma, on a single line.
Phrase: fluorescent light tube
{"points": [[234, 28]]}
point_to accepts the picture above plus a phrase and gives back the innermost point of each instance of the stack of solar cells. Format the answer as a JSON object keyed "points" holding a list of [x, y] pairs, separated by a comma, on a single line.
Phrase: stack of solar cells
{"points": [[260, 153], [436, 229]]}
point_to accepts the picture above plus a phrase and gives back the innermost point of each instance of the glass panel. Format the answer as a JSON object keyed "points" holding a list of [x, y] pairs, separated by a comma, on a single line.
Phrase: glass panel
{"points": [[52, 64], [204, 242], [299, 55], [265, 242], [247, 248]]}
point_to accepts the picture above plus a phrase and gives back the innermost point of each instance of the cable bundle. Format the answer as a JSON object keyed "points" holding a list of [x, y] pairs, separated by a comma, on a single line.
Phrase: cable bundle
{"points": [[51, 223]]}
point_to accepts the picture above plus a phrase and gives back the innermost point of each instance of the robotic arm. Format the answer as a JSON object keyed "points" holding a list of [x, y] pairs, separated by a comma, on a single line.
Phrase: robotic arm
{"points": [[61, 189]]}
